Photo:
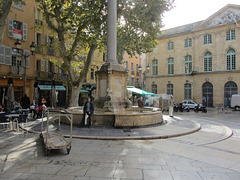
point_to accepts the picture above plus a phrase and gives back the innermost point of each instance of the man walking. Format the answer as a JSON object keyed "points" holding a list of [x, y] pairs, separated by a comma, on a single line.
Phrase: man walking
{"points": [[171, 106], [140, 104], [88, 110]]}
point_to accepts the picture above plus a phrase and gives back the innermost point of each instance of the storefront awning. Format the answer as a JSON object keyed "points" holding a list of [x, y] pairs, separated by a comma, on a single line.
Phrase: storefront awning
{"points": [[84, 91], [140, 91], [49, 87]]}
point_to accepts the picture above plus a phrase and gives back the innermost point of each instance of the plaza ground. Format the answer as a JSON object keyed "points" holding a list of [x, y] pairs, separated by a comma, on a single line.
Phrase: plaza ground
{"points": [[210, 153]]}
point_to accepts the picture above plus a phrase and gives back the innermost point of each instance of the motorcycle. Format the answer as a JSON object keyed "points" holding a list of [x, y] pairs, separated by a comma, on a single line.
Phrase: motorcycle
{"points": [[176, 107], [181, 108], [199, 107]]}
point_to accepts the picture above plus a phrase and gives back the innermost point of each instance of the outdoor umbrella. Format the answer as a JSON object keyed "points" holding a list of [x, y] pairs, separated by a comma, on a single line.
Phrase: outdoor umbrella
{"points": [[36, 92], [10, 96], [53, 95]]}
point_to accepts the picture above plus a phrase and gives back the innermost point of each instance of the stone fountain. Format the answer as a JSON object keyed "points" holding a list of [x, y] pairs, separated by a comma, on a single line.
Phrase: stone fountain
{"points": [[112, 106]]}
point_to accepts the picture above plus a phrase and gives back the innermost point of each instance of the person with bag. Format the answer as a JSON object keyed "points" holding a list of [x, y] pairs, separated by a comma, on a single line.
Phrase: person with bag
{"points": [[88, 110], [140, 104]]}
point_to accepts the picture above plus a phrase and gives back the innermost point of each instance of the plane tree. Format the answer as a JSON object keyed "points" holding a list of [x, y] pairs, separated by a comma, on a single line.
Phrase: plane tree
{"points": [[81, 27]]}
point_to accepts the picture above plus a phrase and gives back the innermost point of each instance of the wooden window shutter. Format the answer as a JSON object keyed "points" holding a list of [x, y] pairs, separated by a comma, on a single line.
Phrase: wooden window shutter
{"points": [[46, 65], [8, 55], [42, 64], [10, 27], [55, 68], [2, 54], [47, 39], [60, 69], [42, 39], [24, 31]]}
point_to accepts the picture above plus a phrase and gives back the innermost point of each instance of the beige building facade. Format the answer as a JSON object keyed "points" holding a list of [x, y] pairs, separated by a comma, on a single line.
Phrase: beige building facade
{"points": [[199, 61], [132, 63]]}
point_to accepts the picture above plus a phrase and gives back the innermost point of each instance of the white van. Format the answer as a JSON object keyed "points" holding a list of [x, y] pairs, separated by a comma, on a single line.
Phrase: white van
{"points": [[235, 102]]}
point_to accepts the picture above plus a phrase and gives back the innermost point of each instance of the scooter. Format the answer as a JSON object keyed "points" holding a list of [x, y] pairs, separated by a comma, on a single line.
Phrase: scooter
{"points": [[199, 107], [176, 107], [181, 108], [186, 108]]}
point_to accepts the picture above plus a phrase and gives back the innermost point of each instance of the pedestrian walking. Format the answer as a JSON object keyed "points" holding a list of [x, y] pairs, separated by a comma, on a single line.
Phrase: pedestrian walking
{"points": [[88, 110], [25, 102], [171, 106], [140, 104], [33, 108]]}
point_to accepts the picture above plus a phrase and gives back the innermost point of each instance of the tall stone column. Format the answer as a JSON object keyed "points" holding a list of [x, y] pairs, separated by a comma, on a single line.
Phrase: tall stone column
{"points": [[112, 32], [111, 93]]}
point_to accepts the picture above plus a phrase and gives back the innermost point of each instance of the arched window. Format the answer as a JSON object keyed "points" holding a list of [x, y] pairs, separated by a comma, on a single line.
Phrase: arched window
{"points": [[207, 94], [208, 62], [154, 88], [187, 91], [170, 89], [155, 67], [231, 60], [170, 66], [229, 89], [188, 64]]}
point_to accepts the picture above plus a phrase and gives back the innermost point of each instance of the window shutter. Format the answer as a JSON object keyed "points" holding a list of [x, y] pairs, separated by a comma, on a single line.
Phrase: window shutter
{"points": [[60, 69], [24, 31], [2, 54], [20, 6], [41, 64], [55, 68], [8, 55], [27, 53], [46, 65], [47, 39], [42, 39], [10, 27]]}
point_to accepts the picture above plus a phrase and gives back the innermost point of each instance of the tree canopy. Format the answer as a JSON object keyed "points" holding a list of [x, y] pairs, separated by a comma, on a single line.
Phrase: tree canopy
{"points": [[140, 22], [81, 26]]}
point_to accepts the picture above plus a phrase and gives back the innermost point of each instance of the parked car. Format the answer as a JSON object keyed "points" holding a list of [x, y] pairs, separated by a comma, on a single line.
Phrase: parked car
{"points": [[190, 103], [235, 102]]}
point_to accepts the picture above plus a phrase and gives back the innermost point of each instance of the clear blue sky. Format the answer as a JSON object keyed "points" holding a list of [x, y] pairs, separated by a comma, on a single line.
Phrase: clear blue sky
{"points": [[190, 11]]}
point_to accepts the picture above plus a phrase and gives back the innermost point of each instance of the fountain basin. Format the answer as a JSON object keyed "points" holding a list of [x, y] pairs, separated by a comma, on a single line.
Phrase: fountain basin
{"points": [[121, 119]]}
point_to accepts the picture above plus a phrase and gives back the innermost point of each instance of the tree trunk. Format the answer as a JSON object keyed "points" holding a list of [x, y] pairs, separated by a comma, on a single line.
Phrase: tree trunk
{"points": [[6, 8], [74, 96]]}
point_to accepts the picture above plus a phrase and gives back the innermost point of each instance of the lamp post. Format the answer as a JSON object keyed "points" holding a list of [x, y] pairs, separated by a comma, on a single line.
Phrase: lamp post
{"points": [[20, 51], [144, 75]]}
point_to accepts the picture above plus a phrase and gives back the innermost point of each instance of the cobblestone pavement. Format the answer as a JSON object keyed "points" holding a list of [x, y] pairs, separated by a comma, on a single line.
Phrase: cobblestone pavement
{"points": [[209, 153]]}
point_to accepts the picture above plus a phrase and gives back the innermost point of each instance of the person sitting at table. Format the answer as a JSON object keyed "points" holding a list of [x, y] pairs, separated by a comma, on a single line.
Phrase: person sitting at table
{"points": [[1, 108], [16, 107], [33, 109]]}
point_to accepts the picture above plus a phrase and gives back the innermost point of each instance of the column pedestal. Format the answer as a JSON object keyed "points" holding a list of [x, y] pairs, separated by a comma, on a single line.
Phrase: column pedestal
{"points": [[111, 92]]}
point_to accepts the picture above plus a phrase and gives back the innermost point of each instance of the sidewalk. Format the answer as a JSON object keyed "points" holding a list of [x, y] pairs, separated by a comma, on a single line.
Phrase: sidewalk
{"points": [[171, 127]]}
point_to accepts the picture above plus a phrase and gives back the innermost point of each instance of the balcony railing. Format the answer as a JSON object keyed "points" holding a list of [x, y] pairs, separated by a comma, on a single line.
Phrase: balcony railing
{"points": [[17, 70], [39, 49], [50, 51], [52, 75], [38, 22]]}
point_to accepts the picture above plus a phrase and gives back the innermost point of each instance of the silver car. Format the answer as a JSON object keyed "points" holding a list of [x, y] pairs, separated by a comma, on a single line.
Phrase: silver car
{"points": [[190, 103]]}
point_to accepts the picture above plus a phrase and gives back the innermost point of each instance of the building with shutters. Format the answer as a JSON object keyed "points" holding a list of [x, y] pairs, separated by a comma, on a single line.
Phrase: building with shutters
{"points": [[25, 22], [132, 64], [199, 61], [19, 24]]}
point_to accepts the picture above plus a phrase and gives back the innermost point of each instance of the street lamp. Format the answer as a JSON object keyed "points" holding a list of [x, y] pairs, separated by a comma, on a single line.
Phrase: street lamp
{"points": [[20, 51], [144, 74]]}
